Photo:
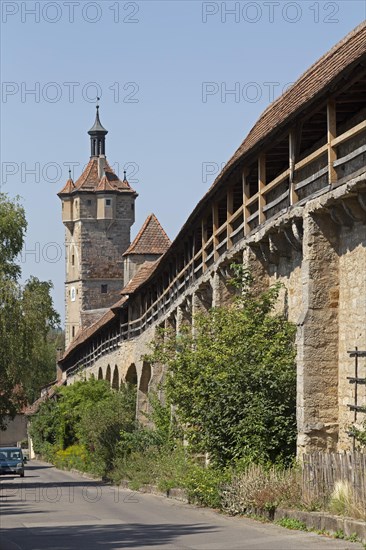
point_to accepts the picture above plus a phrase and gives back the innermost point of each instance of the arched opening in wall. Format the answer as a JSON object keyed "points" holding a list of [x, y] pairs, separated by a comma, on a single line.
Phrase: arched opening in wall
{"points": [[108, 374], [100, 374], [143, 400], [92, 377], [131, 375], [145, 377], [115, 381]]}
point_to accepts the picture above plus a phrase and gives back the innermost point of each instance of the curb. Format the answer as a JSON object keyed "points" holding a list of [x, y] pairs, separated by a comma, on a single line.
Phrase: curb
{"points": [[327, 522]]}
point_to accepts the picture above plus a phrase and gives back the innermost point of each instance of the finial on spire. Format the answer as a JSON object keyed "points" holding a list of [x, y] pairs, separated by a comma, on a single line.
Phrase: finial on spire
{"points": [[124, 175], [69, 173]]}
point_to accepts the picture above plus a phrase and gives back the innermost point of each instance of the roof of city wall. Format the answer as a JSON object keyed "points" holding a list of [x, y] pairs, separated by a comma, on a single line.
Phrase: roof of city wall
{"points": [[312, 85]]}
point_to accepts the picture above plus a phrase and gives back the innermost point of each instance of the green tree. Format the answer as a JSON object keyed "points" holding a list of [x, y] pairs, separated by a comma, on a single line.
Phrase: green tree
{"points": [[27, 355], [233, 382]]}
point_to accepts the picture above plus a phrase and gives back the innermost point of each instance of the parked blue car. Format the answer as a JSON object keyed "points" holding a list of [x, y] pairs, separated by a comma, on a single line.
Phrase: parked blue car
{"points": [[11, 461]]}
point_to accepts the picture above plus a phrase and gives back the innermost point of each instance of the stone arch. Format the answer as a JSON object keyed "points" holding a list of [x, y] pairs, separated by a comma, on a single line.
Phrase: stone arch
{"points": [[108, 374], [100, 374], [131, 375], [115, 380], [143, 400], [145, 377]]}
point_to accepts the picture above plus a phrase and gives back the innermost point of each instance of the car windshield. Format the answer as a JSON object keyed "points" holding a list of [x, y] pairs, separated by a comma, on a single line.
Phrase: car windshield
{"points": [[10, 454]]}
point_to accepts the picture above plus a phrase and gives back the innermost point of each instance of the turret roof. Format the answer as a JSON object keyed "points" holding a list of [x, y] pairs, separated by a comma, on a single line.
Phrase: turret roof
{"points": [[89, 181], [151, 239], [68, 188], [97, 126]]}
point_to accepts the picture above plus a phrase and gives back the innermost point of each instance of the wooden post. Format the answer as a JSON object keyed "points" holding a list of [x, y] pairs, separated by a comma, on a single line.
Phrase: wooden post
{"points": [[246, 196], [229, 213], [215, 226], [204, 241], [331, 134], [261, 186], [292, 160]]}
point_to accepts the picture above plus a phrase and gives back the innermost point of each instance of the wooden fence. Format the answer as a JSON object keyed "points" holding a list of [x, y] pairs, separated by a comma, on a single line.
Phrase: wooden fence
{"points": [[321, 471]]}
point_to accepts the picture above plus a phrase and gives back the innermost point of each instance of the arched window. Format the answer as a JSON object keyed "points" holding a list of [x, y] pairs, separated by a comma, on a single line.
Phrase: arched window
{"points": [[145, 377], [131, 375], [115, 384], [108, 374]]}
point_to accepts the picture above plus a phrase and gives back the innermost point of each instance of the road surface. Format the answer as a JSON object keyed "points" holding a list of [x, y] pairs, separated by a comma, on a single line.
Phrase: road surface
{"points": [[52, 509]]}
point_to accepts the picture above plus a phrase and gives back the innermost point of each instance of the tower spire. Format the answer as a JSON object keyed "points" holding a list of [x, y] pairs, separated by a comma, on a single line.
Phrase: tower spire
{"points": [[97, 135]]}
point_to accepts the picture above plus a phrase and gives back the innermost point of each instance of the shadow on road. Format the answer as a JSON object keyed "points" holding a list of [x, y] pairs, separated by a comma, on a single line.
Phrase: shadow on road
{"points": [[28, 467], [133, 535]]}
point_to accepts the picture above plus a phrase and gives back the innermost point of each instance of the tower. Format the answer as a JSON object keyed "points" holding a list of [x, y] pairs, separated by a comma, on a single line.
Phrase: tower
{"points": [[98, 211]]}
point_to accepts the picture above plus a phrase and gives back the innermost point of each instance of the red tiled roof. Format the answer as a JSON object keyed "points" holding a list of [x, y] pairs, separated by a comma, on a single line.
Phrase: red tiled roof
{"points": [[89, 180], [105, 185], [151, 239], [146, 269], [69, 188], [120, 303], [306, 89], [34, 407], [83, 335]]}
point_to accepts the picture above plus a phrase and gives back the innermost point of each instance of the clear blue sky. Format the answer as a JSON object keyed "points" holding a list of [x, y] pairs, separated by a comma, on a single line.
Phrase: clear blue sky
{"points": [[152, 62]]}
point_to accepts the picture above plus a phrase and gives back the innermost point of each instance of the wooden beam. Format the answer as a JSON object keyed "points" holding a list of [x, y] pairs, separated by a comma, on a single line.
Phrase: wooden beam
{"points": [[331, 135], [292, 161], [215, 226], [204, 241], [352, 132], [261, 186], [246, 196], [229, 213]]}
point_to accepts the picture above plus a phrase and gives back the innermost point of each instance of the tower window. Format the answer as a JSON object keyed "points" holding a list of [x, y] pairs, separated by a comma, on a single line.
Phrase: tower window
{"points": [[132, 206], [108, 202], [103, 289], [73, 331], [72, 259], [88, 202]]}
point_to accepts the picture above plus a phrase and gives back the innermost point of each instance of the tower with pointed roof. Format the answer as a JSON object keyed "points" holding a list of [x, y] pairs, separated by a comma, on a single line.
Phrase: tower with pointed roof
{"points": [[98, 210]]}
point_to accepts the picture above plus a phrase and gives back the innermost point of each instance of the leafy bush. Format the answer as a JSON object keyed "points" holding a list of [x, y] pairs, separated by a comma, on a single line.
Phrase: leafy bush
{"points": [[75, 456], [100, 427], [204, 485], [234, 381]]}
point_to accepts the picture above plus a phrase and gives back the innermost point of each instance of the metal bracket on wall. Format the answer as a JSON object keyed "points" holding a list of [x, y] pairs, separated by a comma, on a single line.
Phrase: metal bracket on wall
{"points": [[357, 381]]}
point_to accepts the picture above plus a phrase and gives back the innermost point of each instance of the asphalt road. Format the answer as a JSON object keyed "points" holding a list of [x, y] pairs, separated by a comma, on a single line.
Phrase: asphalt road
{"points": [[52, 509]]}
